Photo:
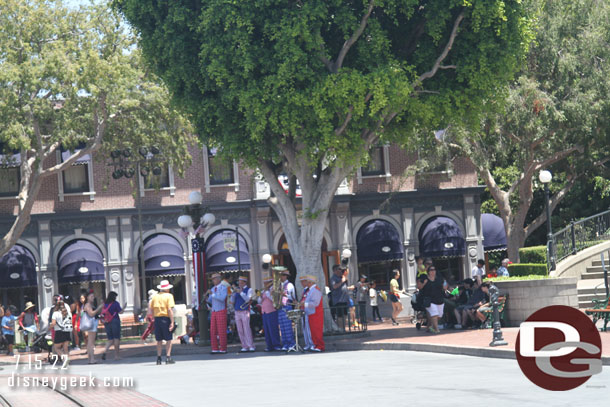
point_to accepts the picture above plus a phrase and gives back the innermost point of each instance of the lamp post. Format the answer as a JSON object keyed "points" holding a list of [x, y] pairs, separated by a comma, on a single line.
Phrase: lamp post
{"points": [[546, 177], [498, 339], [126, 165], [204, 219]]}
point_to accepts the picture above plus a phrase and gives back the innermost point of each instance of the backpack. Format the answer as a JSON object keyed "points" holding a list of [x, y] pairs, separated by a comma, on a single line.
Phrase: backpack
{"points": [[106, 316]]}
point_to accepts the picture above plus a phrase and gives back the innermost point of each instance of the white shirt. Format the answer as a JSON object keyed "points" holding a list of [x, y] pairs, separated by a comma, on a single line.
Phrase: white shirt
{"points": [[62, 324], [476, 271], [373, 297]]}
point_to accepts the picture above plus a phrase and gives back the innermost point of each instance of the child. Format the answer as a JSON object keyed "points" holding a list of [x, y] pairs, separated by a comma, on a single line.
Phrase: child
{"points": [[373, 299], [8, 329]]}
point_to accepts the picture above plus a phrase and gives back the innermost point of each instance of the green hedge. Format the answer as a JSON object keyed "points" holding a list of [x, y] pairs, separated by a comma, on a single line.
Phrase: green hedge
{"points": [[526, 269], [533, 255]]}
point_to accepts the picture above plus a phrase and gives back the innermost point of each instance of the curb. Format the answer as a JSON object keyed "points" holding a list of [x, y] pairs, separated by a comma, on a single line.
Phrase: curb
{"points": [[498, 353]]}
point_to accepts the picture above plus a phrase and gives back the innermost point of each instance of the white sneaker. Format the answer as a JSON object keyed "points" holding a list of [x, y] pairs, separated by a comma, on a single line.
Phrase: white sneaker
{"points": [[76, 348], [27, 348], [457, 326], [244, 350], [441, 326], [252, 350]]}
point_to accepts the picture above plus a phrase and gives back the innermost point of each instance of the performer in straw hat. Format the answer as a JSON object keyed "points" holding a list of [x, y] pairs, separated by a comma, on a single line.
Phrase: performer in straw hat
{"points": [[161, 306], [270, 323], [305, 322], [241, 299], [288, 298], [28, 321], [218, 327], [313, 307]]}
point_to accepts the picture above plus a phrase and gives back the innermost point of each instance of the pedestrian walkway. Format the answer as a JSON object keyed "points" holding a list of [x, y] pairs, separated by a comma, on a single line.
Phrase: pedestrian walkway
{"points": [[473, 342]]}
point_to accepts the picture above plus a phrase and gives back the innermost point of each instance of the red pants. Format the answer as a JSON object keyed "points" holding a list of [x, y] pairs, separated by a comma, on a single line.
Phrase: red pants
{"points": [[218, 330], [316, 327]]}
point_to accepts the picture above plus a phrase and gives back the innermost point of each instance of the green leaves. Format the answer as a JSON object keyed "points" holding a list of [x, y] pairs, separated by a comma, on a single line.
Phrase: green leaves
{"points": [[251, 73], [72, 73]]}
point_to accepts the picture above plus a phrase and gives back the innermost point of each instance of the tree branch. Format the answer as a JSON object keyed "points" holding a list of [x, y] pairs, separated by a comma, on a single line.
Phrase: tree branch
{"points": [[443, 55], [348, 44]]}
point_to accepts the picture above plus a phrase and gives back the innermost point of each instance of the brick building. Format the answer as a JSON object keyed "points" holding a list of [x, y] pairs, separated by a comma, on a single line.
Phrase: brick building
{"points": [[85, 233]]}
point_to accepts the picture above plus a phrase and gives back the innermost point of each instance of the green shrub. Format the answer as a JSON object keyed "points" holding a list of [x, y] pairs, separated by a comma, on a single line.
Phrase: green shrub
{"points": [[518, 278], [526, 269], [534, 254]]}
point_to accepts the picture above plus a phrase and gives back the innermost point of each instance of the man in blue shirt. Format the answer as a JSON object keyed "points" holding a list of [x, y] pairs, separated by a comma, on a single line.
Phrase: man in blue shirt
{"points": [[8, 329], [503, 270], [218, 326], [465, 312]]}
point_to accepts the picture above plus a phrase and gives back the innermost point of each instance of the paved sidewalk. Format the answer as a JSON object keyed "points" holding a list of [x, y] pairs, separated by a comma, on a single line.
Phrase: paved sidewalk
{"points": [[379, 336]]}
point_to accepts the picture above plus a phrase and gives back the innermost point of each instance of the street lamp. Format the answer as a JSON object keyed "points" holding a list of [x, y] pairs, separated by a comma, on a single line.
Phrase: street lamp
{"points": [[546, 177], [125, 164], [204, 219], [498, 339]]}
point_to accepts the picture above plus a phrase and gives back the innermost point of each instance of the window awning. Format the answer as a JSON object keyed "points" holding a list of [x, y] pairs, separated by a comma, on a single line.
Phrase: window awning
{"points": [[494, 234], [80, 260], [378, 241], [163, 256], [18, 268], [82, 160], [441, 237], [221, 253]]}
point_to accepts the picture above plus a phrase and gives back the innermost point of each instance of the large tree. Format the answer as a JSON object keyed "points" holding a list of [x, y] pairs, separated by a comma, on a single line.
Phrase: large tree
{"points": [[72, 79], [555, 117], [306, 87]]}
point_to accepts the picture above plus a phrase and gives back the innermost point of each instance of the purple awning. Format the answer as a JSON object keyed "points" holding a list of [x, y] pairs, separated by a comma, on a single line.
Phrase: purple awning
{"points": [[18, 268], [441, 237], [378, 241], [82, 160], [80, 260], [163, 256], [494, 234], [221, 252]]}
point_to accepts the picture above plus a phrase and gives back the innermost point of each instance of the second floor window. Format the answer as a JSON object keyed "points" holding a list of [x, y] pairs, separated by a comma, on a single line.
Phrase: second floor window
{"points": [[76, 178], [9, 181], [221, 170], [158, 181], [375, 165]]}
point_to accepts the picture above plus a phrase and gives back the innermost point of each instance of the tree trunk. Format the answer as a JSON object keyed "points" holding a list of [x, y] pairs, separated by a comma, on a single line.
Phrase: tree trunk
{"points": [[515, 239]]}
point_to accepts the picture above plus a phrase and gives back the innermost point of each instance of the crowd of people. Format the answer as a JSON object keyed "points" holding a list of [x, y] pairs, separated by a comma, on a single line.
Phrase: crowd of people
{"points": [[457, 306], [65, 323], [236, 307]]}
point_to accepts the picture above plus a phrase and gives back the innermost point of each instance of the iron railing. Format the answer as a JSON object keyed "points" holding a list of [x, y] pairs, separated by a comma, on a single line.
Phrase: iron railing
{"points": [[578, 236], [350, 319]]}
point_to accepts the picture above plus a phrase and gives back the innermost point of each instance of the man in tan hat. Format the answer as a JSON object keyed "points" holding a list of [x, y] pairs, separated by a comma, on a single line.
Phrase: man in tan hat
{"points": [[217, 295], [288, 298], [28, 321], [270, 324], [312, 305], [305, 323], [161, 307], [241, 300]]}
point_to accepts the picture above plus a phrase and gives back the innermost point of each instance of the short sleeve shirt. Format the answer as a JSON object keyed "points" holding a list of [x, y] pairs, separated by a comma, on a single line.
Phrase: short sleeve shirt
{"points": [[8, 321], [114, 309], [341, 294], [161, 303], [394, 287]]}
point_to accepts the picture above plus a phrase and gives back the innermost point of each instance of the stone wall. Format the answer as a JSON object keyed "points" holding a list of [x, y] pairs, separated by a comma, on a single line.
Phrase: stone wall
{"points": [[527, 296]]}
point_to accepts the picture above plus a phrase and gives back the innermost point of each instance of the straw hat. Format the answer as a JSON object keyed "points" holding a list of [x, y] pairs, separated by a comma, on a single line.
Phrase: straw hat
{"points": [[215, 275], [285, 273], [152, 292], [267, 279], [311, 278], [164, 285], [28, 305], [243, 278]]}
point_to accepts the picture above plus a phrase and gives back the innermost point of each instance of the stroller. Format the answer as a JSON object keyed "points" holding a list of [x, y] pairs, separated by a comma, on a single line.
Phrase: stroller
{"points": [[43, 342], [420, 317]]}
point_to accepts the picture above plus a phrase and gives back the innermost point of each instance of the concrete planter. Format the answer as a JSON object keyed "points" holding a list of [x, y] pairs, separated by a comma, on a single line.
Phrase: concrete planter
{"points": [[527, 296]]}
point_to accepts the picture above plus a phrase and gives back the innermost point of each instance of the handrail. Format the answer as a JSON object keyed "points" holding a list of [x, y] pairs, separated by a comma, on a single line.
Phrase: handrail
{"points": [[577, 236]]}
